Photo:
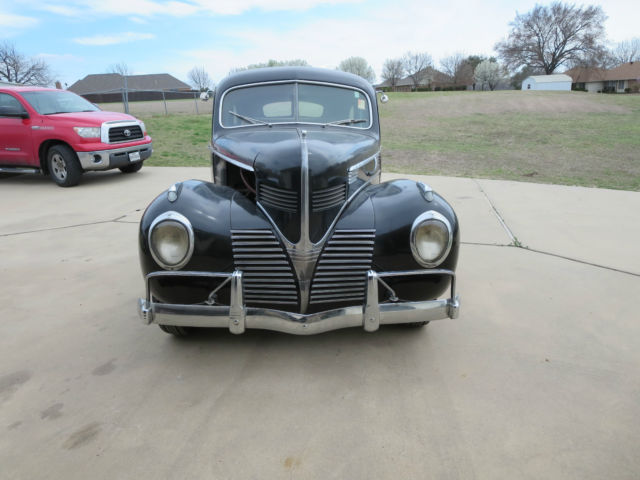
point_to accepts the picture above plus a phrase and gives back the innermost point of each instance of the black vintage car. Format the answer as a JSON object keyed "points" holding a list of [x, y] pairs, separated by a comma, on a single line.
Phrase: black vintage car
{"points": [[296, 233]]}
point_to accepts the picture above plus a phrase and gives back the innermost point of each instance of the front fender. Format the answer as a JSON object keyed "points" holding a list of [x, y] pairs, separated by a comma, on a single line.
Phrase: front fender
{"points": [[392, 208]]}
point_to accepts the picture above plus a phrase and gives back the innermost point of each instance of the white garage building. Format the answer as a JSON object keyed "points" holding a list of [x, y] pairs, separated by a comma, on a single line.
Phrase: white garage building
{"points": [[547, 82]]}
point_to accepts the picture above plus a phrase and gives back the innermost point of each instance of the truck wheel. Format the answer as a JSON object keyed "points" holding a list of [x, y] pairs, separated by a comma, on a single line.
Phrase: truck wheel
{"points": [[64, 167], [132, 168], [175, 330]]}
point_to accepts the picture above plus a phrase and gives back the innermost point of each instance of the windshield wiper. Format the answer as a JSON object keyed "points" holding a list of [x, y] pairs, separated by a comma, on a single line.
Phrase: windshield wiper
{"points": [[346, 121], [250, 120], [55, 113]]}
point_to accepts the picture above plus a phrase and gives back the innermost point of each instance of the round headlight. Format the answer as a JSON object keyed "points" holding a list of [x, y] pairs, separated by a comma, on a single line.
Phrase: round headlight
{"points": [[171, 240], [431, 239]]}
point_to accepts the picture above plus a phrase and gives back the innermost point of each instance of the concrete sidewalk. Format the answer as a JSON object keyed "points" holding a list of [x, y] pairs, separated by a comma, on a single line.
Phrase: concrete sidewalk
{"points": [[538, 378]]}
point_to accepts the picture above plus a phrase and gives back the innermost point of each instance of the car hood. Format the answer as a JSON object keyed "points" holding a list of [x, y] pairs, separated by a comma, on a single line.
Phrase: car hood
{"points": [[276, 155], [92, 118]]}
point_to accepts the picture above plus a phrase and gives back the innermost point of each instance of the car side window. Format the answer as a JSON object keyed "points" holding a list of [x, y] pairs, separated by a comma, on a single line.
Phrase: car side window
{"points": [[9, 103]]}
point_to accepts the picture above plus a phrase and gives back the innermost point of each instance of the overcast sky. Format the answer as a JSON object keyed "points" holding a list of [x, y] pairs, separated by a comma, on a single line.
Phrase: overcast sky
{"points": [[78, 38]]}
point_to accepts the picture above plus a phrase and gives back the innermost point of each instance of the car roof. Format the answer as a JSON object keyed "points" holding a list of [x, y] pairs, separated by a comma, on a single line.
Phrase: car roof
{"points": [[275, 74], [23, 88]]}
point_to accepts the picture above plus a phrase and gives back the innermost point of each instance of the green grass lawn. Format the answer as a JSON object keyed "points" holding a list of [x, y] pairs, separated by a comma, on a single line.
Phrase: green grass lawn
{"points": [[179, 140], [548, 137]]}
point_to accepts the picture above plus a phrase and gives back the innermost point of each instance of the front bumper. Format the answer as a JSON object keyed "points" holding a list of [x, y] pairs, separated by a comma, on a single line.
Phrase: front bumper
{"points": [[237, 317], [113, 158]]}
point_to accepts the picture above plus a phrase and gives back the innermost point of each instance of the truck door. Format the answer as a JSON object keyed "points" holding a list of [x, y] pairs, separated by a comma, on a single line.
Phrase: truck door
{"points": [[16, 144]]}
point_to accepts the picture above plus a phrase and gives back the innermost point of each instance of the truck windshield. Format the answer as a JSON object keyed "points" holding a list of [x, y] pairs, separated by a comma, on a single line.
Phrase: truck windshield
{"points": [[295, 103], [49, 103]]}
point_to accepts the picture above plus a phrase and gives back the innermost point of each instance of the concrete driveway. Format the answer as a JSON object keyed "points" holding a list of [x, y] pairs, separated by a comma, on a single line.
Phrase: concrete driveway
{"points": [[539, 378]]}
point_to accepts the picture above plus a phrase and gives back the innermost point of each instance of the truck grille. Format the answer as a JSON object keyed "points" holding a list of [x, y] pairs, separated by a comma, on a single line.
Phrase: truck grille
{"points": [[279, 198], [341, 273], [267, 275], [328, 197], [126, 133]]}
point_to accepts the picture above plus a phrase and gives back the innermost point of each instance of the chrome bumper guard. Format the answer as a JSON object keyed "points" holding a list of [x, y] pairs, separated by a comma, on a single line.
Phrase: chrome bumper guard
{"points": [[238, 317]]}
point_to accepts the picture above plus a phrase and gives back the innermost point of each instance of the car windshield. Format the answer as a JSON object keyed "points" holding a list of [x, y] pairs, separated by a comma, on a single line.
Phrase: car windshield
{"points": [[295, 103], [48, 102]]}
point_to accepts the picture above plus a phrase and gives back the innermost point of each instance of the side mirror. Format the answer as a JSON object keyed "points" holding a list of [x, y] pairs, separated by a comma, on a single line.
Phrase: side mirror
{"points": [[13, 111], [383, 96]]}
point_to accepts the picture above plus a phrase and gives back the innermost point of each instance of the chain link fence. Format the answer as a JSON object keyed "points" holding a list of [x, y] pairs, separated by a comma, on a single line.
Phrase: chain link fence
{"points": [[151, 102]]}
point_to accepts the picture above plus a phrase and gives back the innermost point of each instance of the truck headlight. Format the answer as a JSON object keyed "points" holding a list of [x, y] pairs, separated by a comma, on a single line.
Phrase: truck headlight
{"points": [[431, 239], [88, 132], [171, 240], [143, 127]]}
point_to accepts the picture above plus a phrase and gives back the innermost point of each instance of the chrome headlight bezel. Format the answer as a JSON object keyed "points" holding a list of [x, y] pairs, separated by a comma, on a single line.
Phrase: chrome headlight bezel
{"points": [[425, 218], [180, 219]]}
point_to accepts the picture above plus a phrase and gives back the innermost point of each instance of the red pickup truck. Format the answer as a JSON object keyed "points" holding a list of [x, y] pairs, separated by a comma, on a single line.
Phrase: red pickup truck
{"points": [[59, 133]]}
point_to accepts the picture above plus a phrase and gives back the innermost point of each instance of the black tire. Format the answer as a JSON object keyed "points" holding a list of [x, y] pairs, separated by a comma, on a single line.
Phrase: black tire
{"points": [[415, 324], [131, 168], [64, 167], [175, 330]]}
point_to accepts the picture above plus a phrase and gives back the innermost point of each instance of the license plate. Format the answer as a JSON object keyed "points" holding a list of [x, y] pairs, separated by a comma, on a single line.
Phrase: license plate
{"points": [[134, 156]]}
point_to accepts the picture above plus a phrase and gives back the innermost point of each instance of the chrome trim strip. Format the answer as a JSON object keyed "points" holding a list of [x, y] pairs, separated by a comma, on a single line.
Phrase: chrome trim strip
{"points": [[294, 81], [297, 323], [226, 158], [359, 165]]}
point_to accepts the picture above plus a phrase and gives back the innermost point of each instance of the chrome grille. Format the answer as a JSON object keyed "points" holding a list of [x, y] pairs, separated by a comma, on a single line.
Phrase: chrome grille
{"points": [[328, 197], [341, 273], [279, 198], [267, 277], [119, 134]]}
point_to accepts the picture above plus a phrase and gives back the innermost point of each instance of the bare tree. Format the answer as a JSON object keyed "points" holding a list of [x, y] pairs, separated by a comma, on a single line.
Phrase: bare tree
{"points": [[199, 78], [488, 74], [121, 68], [358, 66], [16, 68], [627, 51], [416, 65], [550, 36], [458, 68], [392, 71], [297, 62]]}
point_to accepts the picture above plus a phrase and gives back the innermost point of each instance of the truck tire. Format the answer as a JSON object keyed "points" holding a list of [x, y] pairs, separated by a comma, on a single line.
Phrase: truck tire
{"points": [[132, 168], [63, 165]]}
